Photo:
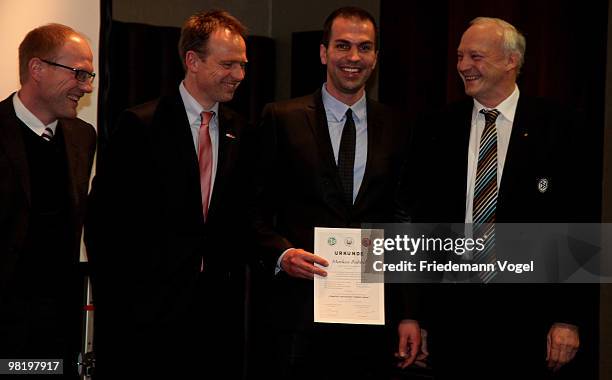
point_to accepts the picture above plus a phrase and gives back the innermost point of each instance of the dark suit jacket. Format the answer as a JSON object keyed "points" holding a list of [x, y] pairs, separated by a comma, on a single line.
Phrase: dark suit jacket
{"points": [[15, 194], [300, 188], [146, 235], [434, 190], [540, 148]]}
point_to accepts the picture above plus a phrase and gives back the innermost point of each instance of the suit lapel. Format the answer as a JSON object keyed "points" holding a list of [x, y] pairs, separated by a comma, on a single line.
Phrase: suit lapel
{"points": [[75, 161], [458, 142], [12, 143], [317, 120], [176, 155], [518, 151], [228, 141], [375, 126]]}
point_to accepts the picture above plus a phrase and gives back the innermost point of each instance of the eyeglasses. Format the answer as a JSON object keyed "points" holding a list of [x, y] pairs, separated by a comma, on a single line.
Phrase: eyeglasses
{"points": [[80, 75]]}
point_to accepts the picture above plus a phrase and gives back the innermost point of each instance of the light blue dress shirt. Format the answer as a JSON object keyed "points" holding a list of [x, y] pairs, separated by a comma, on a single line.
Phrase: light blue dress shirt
{"points": [[335, 112]]}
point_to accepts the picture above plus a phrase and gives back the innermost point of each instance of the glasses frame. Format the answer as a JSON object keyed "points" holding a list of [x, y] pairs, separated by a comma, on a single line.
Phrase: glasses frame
{"points": [[80, 75]]}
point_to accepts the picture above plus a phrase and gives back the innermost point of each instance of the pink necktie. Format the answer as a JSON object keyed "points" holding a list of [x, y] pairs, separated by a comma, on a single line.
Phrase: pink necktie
{"points": [[205, 160]]}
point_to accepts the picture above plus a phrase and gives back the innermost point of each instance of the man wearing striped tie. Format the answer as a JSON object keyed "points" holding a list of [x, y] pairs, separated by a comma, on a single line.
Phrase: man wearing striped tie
{"points": [[46, 156], [499, 157]]}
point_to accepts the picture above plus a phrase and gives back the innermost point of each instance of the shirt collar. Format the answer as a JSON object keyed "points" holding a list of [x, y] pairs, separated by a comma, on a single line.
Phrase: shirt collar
{"points": [[336, 109], [507, 108], [195, 109], [29, 119]]}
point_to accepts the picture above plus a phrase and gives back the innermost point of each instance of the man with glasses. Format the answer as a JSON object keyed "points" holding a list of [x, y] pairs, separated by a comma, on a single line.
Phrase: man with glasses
{"points": [[46, 156], [163, 228]]}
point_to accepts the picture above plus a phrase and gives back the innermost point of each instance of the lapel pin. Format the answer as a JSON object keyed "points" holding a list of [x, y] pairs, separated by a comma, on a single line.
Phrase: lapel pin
{"points": [[543, 185], [229, 135]]}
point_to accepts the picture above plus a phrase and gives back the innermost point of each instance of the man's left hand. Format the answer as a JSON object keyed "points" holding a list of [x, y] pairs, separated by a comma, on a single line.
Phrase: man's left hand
{"points": [[410, 349], [561, 345]]}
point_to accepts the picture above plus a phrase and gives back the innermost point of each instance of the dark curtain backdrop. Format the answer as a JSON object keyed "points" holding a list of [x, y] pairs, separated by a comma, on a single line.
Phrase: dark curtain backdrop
{"points": [[307, 72], [565, 60], [144, 64]]}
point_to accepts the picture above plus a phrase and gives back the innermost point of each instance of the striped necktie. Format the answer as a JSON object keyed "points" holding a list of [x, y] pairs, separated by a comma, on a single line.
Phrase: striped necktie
{"points": [[485, 189], [47, 134], [485, 193]]}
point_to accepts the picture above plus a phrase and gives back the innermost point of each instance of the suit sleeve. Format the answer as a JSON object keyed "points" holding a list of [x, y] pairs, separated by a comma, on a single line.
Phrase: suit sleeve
{"points": [[407, 298], [265, 184], [116, 225]]}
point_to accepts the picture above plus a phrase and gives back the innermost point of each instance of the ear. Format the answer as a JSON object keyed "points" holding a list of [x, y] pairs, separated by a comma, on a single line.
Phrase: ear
{"points": [[192, 61], [513, 61], [323, 54], [375, 60], [35, 68]]}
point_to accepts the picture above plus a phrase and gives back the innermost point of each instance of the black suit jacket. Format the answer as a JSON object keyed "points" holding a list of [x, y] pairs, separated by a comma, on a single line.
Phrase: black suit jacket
{"points": [[299, 188], [16, 208], [489, 318], [540, 148], [80, 140], [146, 235]]}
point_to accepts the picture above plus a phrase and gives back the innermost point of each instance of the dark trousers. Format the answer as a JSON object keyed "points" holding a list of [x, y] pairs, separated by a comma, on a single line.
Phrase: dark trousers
{"points": [[330, 352]]}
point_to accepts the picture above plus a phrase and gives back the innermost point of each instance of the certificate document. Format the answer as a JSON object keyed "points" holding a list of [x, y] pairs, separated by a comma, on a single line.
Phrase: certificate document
{"points": [[343, 296]]}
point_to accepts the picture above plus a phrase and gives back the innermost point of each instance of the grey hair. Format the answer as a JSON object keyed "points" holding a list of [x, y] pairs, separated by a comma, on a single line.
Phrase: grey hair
{"points": [[513, 40]]}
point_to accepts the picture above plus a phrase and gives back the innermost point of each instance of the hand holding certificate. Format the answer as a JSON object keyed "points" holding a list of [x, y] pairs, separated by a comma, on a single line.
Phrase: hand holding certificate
{"points": [[343, 296], [301, 264]]}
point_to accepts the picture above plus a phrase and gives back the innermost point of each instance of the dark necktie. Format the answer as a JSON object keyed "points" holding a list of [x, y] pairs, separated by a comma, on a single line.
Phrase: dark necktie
{"points": [[485, 193], [346, 156]]}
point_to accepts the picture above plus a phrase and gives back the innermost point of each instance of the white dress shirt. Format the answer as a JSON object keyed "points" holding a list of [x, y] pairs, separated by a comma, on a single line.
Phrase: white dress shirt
{"points": [[507, 109], [29, 119]]}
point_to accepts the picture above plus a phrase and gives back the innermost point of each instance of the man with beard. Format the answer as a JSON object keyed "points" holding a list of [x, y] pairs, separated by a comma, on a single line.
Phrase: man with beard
{"points": [[46, 155], [330, 159]]}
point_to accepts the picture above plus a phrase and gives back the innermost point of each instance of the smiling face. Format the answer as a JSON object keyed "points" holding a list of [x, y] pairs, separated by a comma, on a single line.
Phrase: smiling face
{"points": [[216, 76], [350, 58], [488, 72], [57, 90]]}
